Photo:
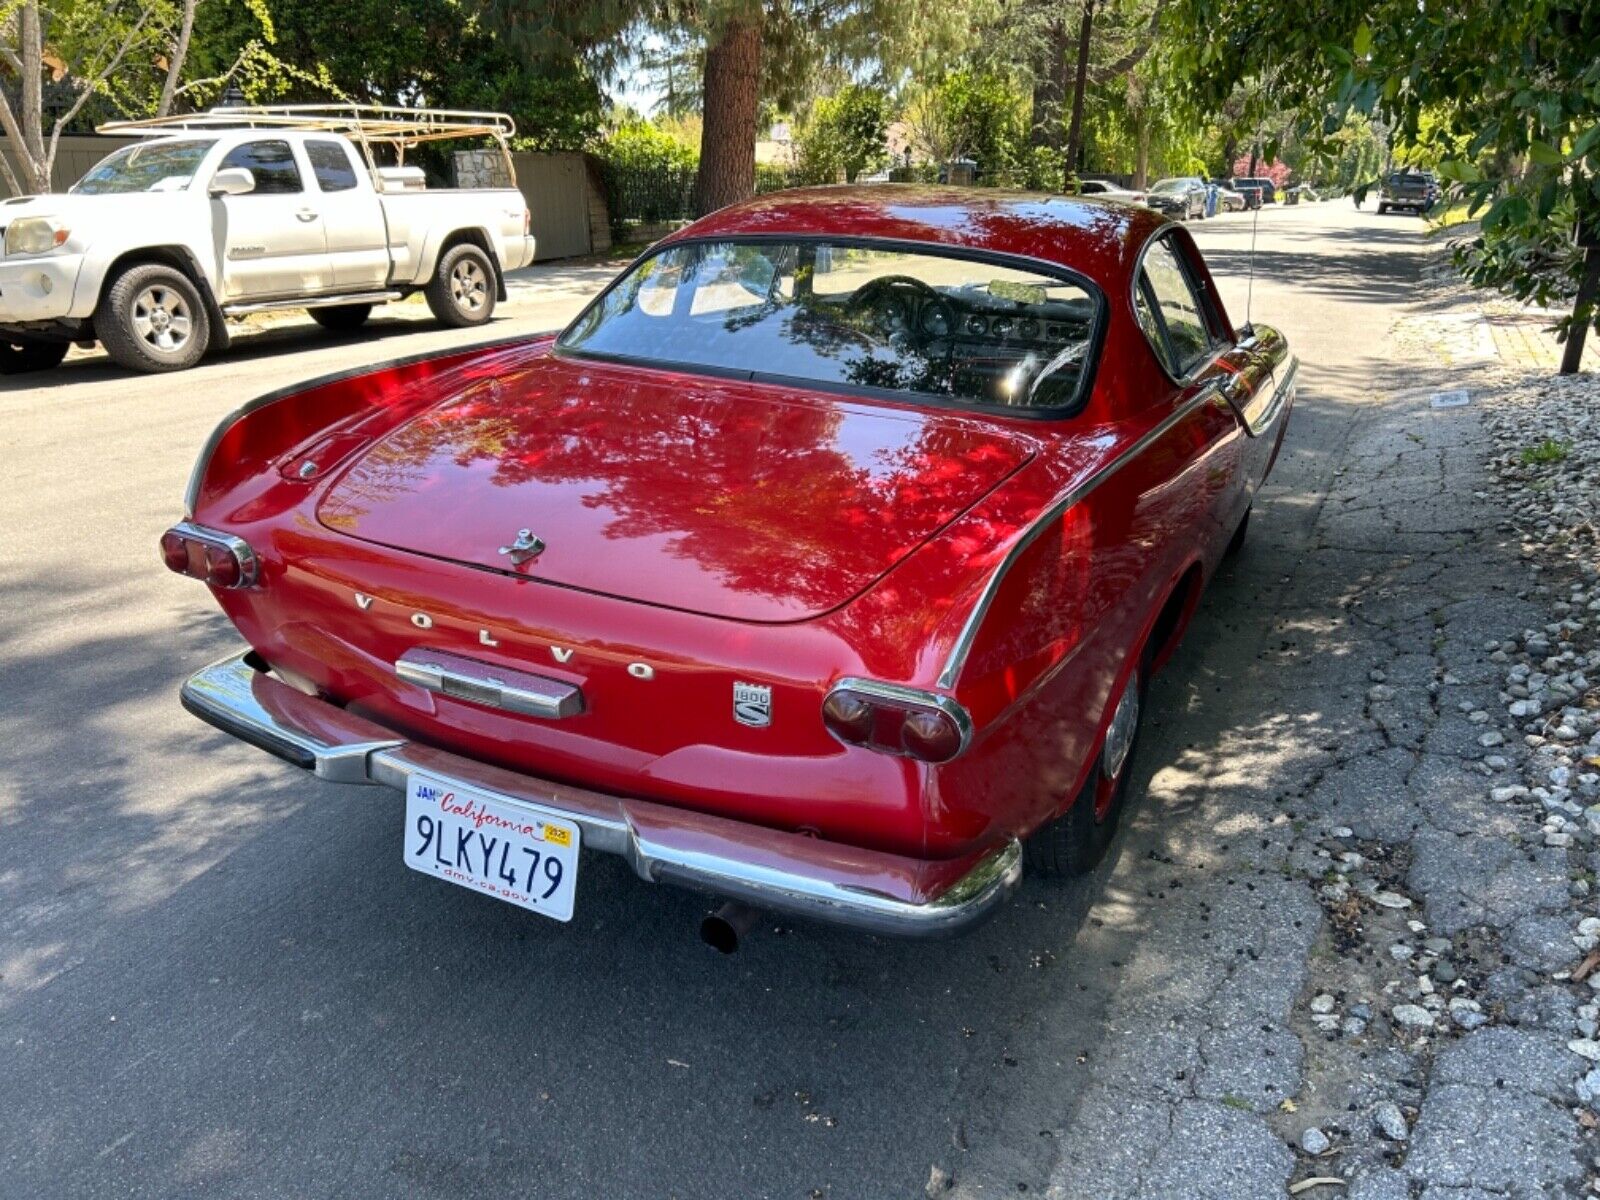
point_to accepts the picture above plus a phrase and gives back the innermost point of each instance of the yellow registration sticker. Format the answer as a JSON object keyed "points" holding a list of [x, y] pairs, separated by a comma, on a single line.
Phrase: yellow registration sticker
{"points": [[557, 835]]}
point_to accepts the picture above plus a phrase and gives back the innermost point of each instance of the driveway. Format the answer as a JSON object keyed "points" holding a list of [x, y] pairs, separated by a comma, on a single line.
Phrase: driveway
{"points": [[217, 978]]}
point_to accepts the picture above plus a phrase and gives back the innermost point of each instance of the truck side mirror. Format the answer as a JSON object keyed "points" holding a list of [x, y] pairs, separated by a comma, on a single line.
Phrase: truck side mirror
{"points": [[232, 181]]}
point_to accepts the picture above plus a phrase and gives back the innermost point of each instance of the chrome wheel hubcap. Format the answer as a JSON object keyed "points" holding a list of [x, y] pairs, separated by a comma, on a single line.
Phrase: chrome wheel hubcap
{"points": [[1119, 737], [469, 286], [161, 319]]}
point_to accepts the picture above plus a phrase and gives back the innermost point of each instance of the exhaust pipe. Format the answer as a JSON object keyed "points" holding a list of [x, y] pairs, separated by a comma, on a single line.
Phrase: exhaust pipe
{"points": [[722, 929]]}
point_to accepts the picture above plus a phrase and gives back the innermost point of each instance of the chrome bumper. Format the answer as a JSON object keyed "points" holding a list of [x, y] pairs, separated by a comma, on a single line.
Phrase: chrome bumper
{"points": [[765, 868]]}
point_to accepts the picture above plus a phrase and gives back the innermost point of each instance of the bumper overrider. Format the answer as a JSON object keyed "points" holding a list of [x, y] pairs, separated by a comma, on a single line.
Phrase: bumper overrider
{"points": [[867, 890]]}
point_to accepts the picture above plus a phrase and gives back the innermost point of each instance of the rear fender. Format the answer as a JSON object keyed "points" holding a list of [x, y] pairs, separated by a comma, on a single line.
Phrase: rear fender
{"points": [[237, 479]]}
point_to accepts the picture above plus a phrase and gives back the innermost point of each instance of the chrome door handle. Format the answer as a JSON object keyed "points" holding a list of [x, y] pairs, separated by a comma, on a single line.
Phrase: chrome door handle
{"points": [[306, 214]]}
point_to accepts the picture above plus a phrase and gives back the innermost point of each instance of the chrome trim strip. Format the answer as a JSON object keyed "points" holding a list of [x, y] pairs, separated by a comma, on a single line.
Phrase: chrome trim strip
{"points": [[239, 310], [915, 697], [338, 746], [249, 565], [495, 687], [969, 630]]}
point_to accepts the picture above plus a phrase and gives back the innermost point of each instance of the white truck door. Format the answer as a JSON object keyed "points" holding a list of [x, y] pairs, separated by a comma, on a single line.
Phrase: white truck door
{"points": [[352, 216], [272, 239]]}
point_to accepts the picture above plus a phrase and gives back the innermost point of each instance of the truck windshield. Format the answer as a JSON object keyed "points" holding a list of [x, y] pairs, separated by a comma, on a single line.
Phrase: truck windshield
{"points": [[152, 167], [978, 330]]}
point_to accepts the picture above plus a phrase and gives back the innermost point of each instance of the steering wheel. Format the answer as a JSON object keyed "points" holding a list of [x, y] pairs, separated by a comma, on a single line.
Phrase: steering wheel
{"points": [[905, 295]]}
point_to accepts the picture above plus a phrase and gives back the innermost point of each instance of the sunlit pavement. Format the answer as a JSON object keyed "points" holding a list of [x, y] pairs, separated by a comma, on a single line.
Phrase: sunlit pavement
{"points": [[216, 977]]}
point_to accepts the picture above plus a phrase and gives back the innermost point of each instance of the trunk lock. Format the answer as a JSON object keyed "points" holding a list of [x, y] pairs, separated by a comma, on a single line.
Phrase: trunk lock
{"points": [[527, 546]]}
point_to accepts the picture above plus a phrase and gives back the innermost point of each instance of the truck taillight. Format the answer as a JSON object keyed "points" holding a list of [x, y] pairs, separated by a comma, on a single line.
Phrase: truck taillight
{"points": [[527, 222], [218, 559], [893, 719]]}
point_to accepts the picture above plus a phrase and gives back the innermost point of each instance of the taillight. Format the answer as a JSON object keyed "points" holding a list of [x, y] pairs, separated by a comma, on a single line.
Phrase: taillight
{"points": [[896, 720], [215, 558]]}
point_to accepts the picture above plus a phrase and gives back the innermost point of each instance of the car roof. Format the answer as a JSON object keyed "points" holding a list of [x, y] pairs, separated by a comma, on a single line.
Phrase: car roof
{"points": [[1098, 238]]}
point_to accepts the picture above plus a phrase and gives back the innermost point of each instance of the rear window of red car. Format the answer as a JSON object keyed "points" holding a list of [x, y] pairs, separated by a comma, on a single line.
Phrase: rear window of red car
{"points": [[855, 316]]}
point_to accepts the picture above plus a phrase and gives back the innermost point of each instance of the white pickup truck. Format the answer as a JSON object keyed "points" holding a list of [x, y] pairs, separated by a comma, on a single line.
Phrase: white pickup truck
{"points": [[245, 210]]}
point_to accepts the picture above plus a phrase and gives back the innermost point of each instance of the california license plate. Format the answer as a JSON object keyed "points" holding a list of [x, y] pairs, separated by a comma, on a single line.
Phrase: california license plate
{"points": [[503, 848]]}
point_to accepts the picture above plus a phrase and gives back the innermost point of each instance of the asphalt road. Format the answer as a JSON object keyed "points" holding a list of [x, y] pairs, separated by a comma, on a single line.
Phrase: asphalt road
{"points": [[216, 977]]}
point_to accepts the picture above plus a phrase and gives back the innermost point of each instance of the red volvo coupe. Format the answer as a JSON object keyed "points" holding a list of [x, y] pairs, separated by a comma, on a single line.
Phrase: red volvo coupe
{"points": [[820, 564]]}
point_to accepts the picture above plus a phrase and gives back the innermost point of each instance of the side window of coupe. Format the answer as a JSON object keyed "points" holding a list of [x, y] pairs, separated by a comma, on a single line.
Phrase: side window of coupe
{"points": [[331, 165], [272, 163], [1168, 304]]}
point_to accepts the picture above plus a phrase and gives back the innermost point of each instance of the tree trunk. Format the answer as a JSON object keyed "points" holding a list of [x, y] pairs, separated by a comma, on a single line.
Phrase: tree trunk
{"points": [[1255, 157], [1080, 81], [1230, 154], [1141, 169], [175, 59], [732, 95], [1049, 86], [24, 126]]}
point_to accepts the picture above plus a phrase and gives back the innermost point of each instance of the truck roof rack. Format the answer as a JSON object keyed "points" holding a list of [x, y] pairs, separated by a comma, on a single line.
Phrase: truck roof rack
{"points": [[396, 126], [366, 124]]}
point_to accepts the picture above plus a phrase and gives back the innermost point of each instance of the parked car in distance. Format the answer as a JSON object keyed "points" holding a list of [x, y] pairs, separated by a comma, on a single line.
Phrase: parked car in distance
{"points": [[1105, 189], [1230, 200], [821, 564], [1414, 191], [1250, 189], [242, 210], [1182, 197]]}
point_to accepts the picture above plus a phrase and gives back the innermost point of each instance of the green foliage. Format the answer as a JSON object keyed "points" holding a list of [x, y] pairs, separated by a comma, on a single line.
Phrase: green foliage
{"points": [[432, 53], [642, 146], [1506, 96], [844, 133], [1547, 451], [974, 114]]}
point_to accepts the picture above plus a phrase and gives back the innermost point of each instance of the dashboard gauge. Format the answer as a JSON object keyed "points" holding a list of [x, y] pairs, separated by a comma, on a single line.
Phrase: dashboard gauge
{"points": [[1001, 327], [935, 321], [977, 326], [1029, 328]]}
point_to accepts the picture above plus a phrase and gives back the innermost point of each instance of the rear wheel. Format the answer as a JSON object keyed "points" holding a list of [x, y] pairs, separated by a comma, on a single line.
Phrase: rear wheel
{"points": [[1382, 208], [341, 318], [151, 318], [1076, 841], [462, 290], [18, 356]]}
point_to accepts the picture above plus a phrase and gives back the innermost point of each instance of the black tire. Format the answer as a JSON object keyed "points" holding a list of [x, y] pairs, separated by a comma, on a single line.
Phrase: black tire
{"points": [[20, 356], [1383, 209], [462, 290], [341, 318], [151, 318], [1075, 842]]}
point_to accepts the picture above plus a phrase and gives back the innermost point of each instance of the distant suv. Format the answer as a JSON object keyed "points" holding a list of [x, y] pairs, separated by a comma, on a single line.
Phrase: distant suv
{"points": [[1183, 197], [1414, 191]]}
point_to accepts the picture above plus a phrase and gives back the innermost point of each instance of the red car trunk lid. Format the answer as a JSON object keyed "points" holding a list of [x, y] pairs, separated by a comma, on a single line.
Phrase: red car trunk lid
{"points": [[720, 497]]}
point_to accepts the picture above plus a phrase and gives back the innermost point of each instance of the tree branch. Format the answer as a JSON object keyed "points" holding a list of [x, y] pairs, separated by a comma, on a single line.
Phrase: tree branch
{"points": [[8, 122], [1133, 57], [93, 85], [175, 60]]}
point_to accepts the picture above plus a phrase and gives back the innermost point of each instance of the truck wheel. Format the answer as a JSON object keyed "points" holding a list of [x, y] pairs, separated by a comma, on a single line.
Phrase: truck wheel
{"points": [[1382, 208], [18, 357], [151, 318], [341, 318], [1077, 840], [461, 292]]}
